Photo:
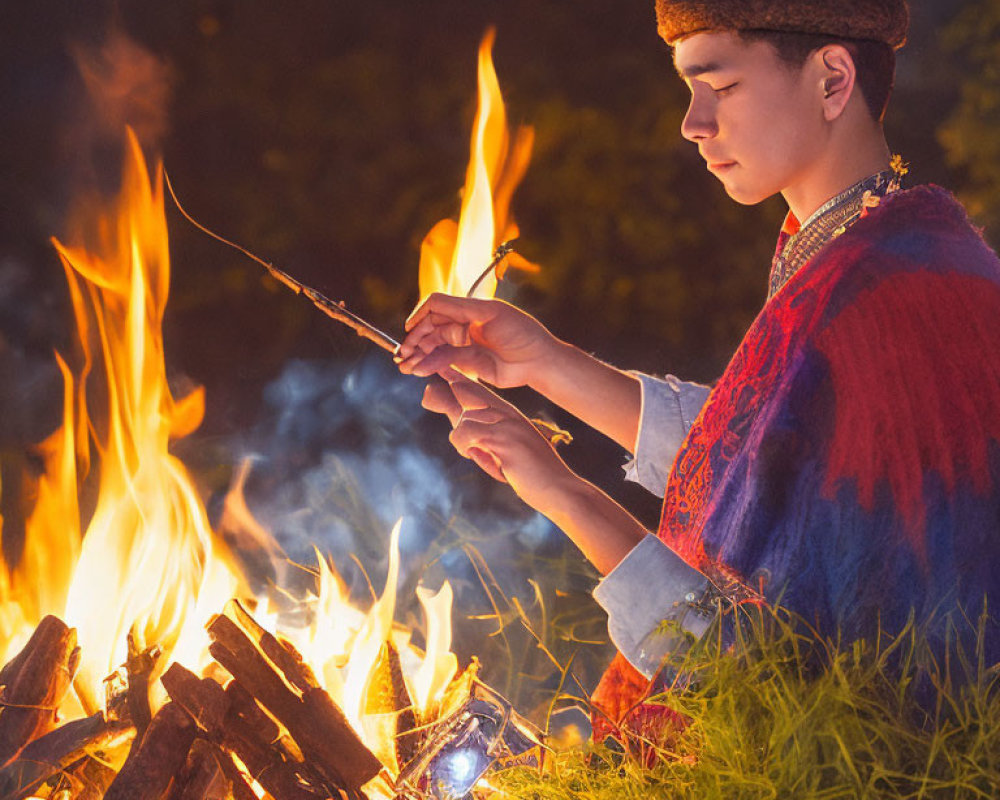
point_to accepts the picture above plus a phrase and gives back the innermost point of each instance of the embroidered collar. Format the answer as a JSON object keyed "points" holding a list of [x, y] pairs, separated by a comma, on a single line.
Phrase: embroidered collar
{"points": [[799, 243]]}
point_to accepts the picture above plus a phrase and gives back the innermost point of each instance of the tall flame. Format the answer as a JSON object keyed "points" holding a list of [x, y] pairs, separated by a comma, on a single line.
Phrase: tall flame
{"points": [[147, 549], [453, 255], [148, 569]]}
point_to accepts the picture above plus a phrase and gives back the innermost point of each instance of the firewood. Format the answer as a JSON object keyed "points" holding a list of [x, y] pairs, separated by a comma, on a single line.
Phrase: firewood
{"points": [[139, 666], [244, 711], [313, 720], [157, 757], [93, 778], [34, 683], [407, 737], [246, 731], [58, 750], [203, 699], [239, 780], [201, 778], [329, 737], [284, 655], [281, 777]]}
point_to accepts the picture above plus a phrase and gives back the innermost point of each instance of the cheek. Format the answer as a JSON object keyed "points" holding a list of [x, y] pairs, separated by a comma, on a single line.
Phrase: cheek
{"points": [[780, 135]]}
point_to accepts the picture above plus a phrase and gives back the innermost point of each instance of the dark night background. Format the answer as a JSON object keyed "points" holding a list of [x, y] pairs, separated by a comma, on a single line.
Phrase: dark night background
{"points": [[328, 136]]}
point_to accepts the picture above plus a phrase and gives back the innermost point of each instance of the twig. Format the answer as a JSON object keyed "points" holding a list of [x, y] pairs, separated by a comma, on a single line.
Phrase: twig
{"points": [[332, 309], [504, 250]]}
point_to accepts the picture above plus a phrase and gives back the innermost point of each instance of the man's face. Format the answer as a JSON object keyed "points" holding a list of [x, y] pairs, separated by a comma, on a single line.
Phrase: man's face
{"points": [[757, 123]]}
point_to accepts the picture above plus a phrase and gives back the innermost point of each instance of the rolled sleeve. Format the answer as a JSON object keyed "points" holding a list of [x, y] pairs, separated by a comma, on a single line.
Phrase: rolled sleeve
{"points": [[669, 407], [650, 585]]}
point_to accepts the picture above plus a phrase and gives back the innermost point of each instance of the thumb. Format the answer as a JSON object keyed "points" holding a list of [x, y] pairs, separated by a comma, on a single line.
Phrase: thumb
{"points": [[472, 361]]}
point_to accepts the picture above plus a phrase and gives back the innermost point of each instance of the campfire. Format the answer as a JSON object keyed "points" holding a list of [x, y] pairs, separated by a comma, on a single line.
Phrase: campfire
{"points": [[140, 662]]}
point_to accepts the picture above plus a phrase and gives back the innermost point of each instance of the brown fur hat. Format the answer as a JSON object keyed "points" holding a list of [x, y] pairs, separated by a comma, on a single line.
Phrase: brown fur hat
{"points": [[879, 20]]}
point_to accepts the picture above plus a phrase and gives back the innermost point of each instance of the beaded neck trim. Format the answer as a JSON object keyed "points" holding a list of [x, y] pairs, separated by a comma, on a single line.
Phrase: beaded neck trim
{"points": [[830, 220]]}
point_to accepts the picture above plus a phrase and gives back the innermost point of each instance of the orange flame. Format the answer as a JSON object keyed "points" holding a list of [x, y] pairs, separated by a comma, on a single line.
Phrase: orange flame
{"points": [[148, 567], [148, 548], [453, 255]]}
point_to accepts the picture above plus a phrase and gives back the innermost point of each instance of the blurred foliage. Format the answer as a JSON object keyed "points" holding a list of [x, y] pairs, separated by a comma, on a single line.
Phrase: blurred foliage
{"points": [[329, 137], [969, 135], [785, 715]]}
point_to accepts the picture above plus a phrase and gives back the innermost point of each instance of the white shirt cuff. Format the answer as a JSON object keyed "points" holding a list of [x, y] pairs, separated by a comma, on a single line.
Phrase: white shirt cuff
{"points": [[668, 408], [652, 584]]}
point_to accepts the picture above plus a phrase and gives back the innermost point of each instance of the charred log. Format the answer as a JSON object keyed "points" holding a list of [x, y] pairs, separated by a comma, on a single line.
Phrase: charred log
{"points": [[34, 683], [161, 754], [201, 778], [59, 750], [313, 720], [407, 737], [139, 666], [243, 729], [202, 698]]}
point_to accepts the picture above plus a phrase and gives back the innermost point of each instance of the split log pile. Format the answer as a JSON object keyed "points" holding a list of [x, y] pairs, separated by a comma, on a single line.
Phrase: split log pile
{"points": [[260, 726]]}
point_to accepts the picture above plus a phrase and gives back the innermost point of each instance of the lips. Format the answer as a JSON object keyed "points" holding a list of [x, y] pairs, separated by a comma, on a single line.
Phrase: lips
{"points": [[716, 163], [720, 166]]}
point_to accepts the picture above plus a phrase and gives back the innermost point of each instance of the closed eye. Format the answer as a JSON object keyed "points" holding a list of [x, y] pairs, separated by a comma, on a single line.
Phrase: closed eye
{"points": [[722, 91]]}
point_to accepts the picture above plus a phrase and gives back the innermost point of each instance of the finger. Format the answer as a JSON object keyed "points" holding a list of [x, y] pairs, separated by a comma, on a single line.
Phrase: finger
{"points": [[433, 331], [488, 463], [487, 416], [412, 340], [472, 394], [439, 398], [470, 361], [458, 309], [471, 434]]}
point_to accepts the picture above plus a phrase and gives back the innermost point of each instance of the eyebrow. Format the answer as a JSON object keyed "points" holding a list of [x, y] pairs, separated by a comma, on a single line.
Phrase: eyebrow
{"points": [[697, 69]]}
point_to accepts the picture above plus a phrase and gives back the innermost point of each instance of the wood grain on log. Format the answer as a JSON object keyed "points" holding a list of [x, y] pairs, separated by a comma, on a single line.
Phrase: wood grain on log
{"points": [[93, 778], [244, 730], [34, 684], [239, 781], [201, 777], [407, 738], [58, 750], [159, 756], [285, 657], [314, 721], [203, 699]]}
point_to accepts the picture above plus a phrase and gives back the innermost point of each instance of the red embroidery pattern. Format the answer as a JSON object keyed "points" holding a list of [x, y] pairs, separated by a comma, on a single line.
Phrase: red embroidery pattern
{"points": [[721, 429]]}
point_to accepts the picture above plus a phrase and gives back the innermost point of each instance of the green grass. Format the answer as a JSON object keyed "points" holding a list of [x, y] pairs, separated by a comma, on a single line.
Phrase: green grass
{"points": [[787, 716]]}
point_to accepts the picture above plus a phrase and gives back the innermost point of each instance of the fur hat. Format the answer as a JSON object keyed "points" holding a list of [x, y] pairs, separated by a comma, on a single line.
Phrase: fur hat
{"points": [[879, 20]]}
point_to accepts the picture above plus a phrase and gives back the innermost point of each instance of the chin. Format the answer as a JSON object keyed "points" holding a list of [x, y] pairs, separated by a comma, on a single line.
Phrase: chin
{"points": [[747, 196]]}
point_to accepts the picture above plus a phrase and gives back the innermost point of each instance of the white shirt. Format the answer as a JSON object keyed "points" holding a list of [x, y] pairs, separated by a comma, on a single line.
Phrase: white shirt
{"points": [[652, 584]]}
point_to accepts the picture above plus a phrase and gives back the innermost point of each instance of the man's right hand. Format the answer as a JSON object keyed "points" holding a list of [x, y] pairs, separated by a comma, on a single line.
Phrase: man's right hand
{"points": [[489, 340]]}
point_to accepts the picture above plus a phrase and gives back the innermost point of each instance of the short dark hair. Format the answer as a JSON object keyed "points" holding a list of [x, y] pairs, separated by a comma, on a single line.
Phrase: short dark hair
{"points": [[875, 62]]}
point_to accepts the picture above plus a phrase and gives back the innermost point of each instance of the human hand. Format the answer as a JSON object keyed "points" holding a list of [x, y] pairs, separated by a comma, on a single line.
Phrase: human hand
{"points": [[500, 439], [489, 340]]}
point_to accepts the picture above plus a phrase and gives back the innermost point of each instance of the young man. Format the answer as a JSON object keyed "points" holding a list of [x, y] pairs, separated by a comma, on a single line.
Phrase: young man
{"points": [[847, 463]]}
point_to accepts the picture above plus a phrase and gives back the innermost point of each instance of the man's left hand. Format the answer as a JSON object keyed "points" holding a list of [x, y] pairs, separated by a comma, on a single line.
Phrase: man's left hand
{"points": [[499, 438]]}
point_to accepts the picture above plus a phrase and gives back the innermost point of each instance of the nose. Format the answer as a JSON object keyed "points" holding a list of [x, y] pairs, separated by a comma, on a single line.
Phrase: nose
{"points": [[699, 121]]}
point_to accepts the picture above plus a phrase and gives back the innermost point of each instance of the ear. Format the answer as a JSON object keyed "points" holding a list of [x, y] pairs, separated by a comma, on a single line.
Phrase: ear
{"points": [[838, 76]]}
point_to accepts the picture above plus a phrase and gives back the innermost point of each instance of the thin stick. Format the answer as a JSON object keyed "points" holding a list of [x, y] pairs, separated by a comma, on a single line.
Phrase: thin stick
{"points": [[504, 250], [329, 307]]}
